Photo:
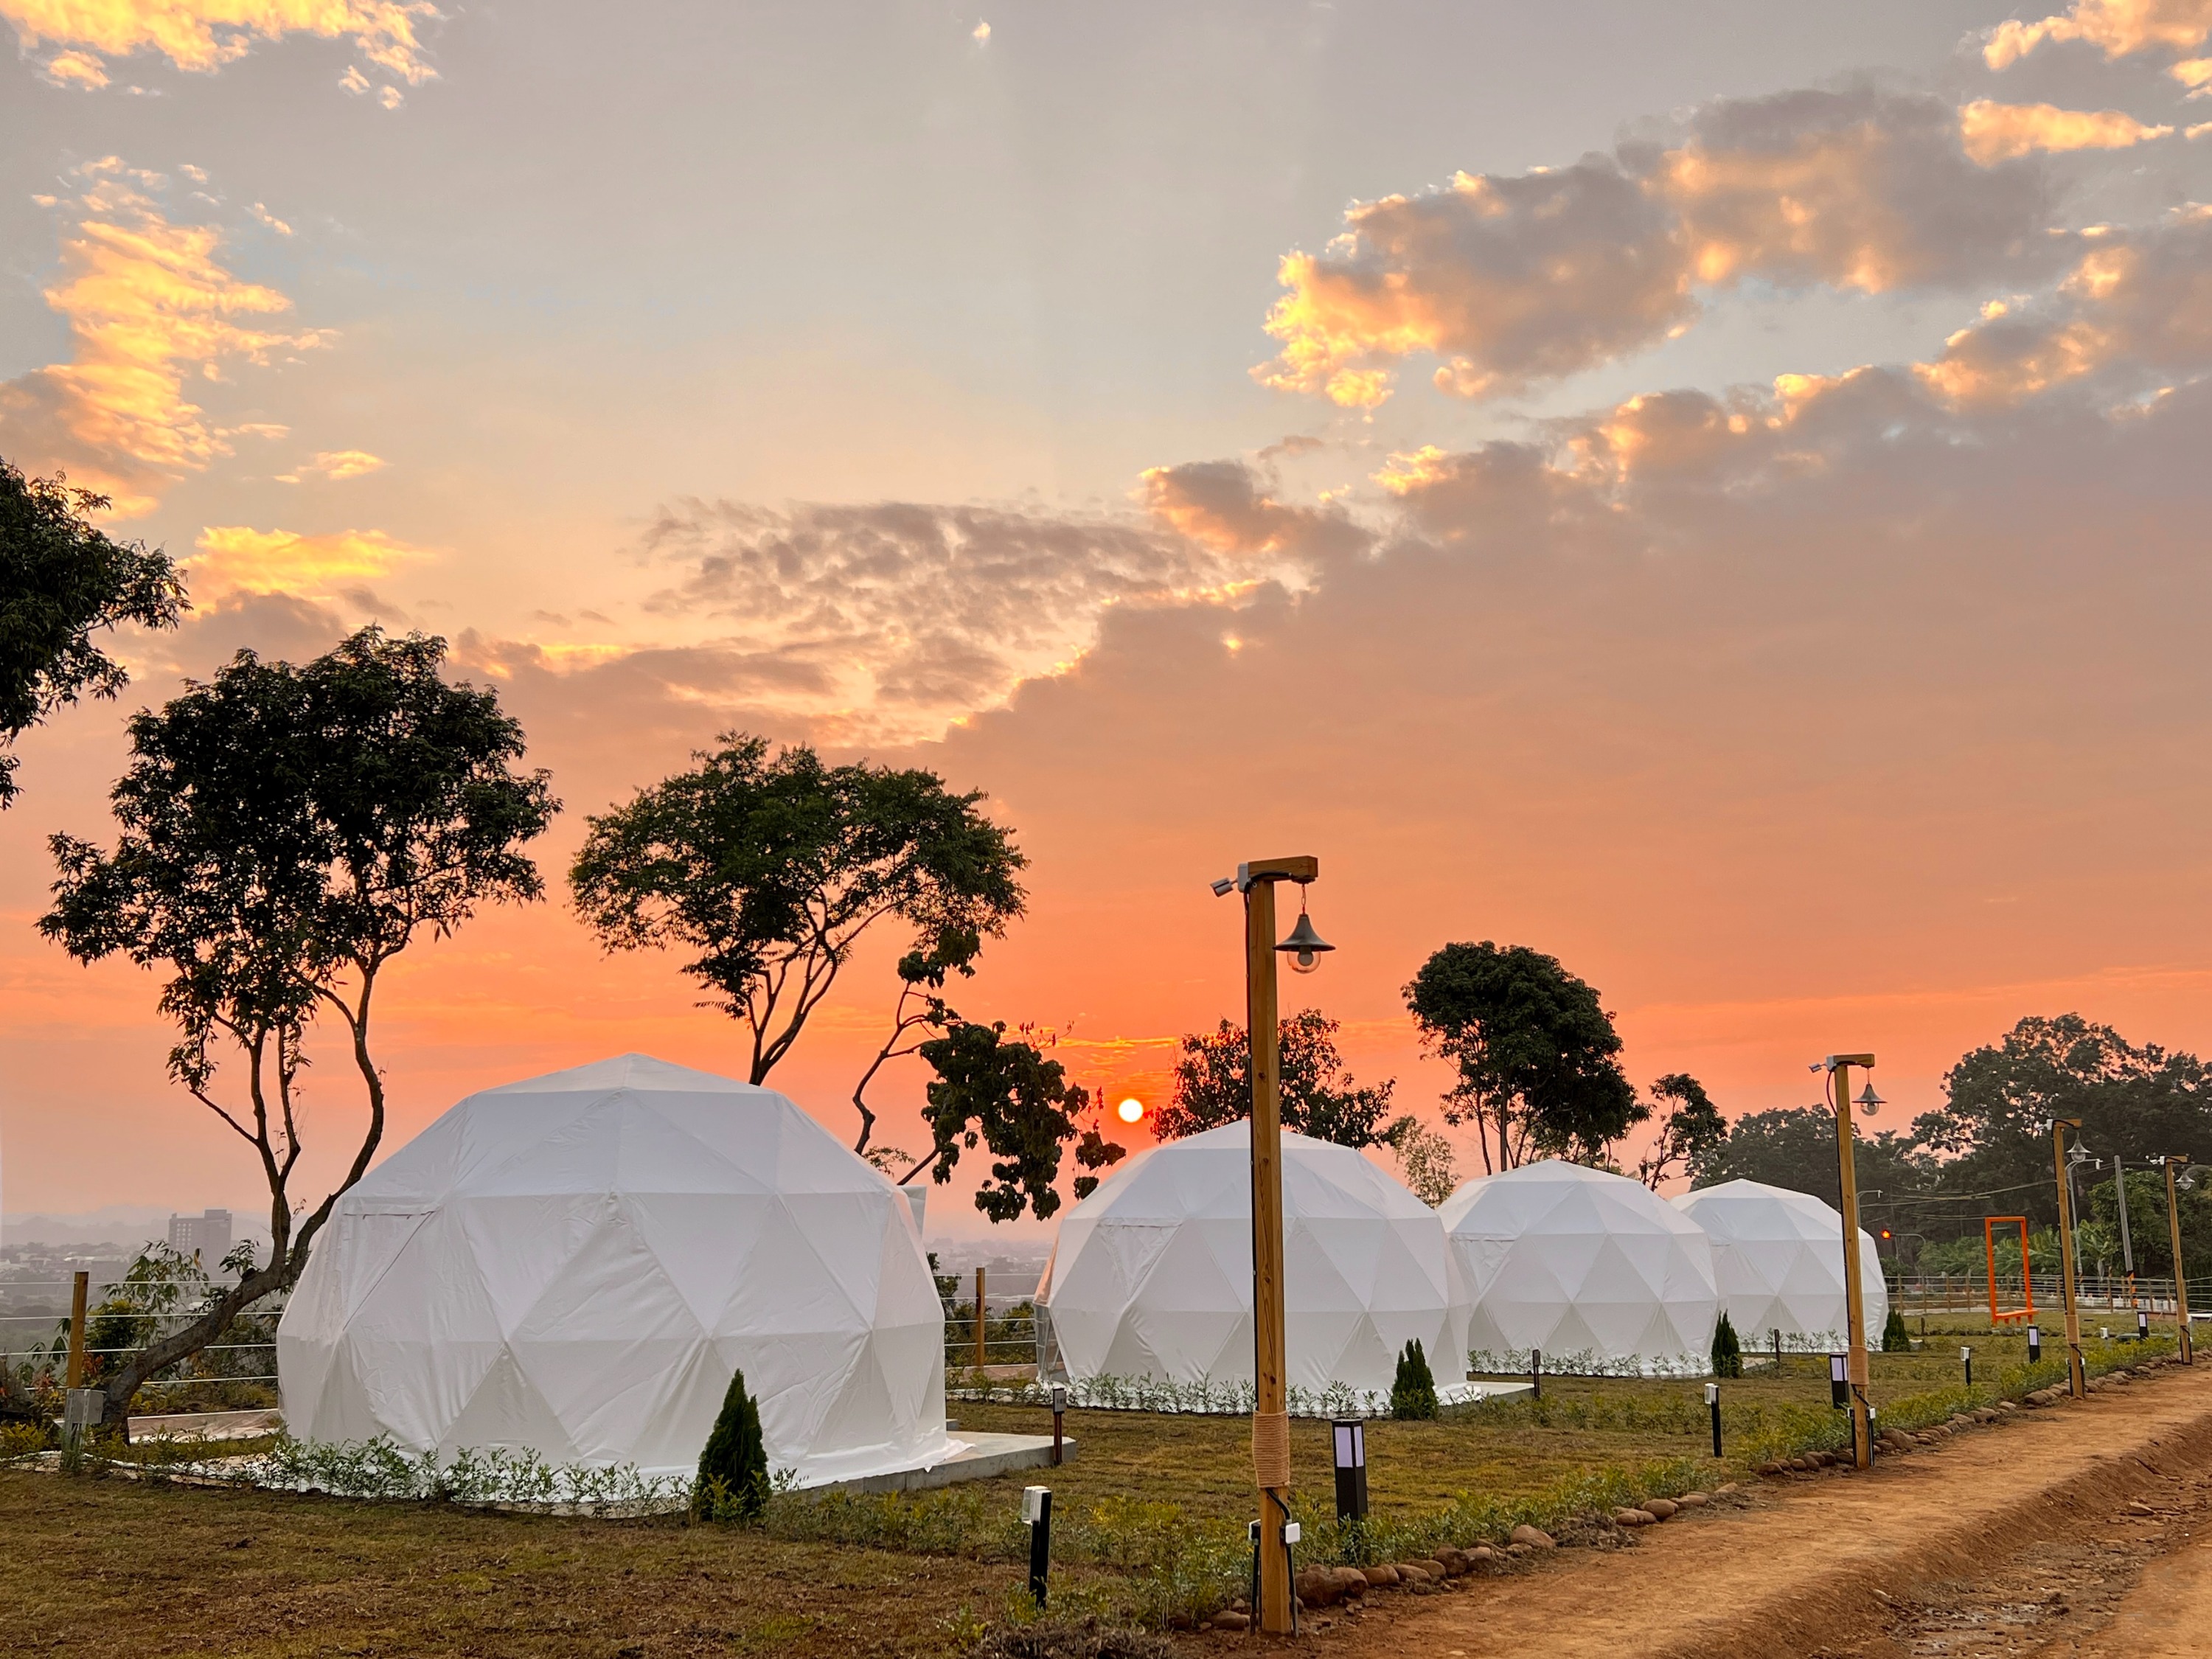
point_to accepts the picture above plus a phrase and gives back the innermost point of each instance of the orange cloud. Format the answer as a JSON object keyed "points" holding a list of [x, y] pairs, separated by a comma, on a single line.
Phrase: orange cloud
{"points": [[239, 559], [1994, 132], [147, 303], [337, 466], [203, 35], [2140, 302], [2118, 28], [1512, 281], [75, 69]]}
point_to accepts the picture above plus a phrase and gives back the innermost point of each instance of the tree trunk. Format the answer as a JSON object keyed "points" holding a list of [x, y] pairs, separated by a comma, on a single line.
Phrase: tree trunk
{"points": [[183, 1343]]}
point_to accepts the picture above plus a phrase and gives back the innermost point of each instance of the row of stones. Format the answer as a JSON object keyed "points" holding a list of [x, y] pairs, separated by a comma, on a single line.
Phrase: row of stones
{"points": [[1899, 1440], [1325, 1586]]}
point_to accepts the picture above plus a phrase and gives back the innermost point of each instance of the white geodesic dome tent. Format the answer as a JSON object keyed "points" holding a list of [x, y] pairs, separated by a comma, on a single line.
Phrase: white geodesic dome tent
{"points": [[1778, 1259], [1594, 1269], [1150, 1277], [574, 1264]]}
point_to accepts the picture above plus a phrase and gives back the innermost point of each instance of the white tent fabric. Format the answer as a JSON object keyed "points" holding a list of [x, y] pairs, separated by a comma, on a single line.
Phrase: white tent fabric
{"points": [[1150, 1276], [573, 1265], [1778, 1259], [1594, 1269]]}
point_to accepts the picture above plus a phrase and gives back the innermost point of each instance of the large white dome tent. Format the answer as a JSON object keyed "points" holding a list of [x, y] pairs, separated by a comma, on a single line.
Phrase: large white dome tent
{"points": [[1150, 1278], [573, 1266], [1594, 1269], [1779, 1260]]}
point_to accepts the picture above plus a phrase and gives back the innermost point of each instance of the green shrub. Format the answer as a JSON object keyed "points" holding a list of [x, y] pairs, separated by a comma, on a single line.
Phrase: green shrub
{"points": [[1728, 1352], [734, 1483], [1893, 1337], [1414, 1390]]}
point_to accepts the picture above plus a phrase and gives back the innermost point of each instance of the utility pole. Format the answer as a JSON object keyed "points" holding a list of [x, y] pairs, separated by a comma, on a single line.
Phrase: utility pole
{"points": [[1839, 1069], [2185, 1345], [2077, 1376]]}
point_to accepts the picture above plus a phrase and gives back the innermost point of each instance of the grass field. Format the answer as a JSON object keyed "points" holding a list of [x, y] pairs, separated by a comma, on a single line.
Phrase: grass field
{"points": [[1151, 1514]]}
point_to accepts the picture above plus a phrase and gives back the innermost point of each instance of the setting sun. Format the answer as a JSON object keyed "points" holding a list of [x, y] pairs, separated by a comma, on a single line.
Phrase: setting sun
{"points": [[1130, 1110]]}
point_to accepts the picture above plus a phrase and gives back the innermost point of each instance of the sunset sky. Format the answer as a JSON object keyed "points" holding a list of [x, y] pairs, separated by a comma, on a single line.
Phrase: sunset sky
{"points": [[1702, 490]]}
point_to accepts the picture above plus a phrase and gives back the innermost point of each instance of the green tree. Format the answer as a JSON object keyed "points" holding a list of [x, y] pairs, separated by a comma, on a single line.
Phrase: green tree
{"points": [[1539, 1061], [286, 833], [1426, 1162], [1690, 1127], [1006, 1095], [1413, 1389], [734, 1478], [1999, 1100], [62, 582], [1213, 1085], [769, 869], [1794, 1146], [1728, 1348]]}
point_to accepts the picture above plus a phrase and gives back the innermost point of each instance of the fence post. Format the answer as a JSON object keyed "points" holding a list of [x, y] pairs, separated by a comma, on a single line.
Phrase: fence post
{"points": [[979, 1319], [76, 1328]]}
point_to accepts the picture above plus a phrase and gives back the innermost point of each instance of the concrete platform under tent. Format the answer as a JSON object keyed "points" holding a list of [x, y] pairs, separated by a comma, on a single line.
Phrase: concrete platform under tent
{"points": [[976, 1456]]}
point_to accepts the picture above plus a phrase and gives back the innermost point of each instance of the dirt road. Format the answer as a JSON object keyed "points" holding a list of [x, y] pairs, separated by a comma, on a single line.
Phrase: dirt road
{"points": [[2081, 1529]]}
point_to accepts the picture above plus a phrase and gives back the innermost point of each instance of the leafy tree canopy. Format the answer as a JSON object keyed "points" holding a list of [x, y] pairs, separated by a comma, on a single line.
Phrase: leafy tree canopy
{"points": [[1690, 1127], [62, 582], [1213, 1085], [1538, 1058], [770, 868], [1006, 1094], [2139, 1103], [285, 833], [1794, 1146]]}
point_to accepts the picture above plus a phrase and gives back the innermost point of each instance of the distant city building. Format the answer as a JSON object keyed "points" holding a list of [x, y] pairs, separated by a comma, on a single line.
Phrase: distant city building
{"points": [[206, 1235]]}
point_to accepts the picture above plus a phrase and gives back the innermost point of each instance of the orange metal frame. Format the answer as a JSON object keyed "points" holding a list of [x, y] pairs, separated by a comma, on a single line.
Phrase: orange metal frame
{"points": [[1990, 1225]]}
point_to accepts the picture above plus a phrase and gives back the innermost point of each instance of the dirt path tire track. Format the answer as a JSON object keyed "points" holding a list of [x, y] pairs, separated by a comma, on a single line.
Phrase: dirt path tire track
{"points": [[1807, 1564]]}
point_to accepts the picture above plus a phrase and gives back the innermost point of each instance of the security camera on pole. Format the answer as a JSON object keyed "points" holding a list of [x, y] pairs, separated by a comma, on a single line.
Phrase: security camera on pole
{"points": [[1838, 1068], [1271, 1422]]}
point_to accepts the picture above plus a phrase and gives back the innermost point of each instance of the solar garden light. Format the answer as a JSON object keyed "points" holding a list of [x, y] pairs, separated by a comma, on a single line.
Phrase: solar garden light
{"points": [[1348, 1438], [2103, 1333], [1536, 1371], [2035, 1345], [2142, 1325], [1850, 1386], [1059, 1417], [1713, 1404], [1839, 1380], [2185, 1346], [1967, 1358], [1271, 1422], [1036, 1509]]}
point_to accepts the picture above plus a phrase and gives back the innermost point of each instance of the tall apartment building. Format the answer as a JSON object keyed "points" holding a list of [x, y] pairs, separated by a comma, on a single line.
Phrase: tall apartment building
{"points": [[206, 1235]]}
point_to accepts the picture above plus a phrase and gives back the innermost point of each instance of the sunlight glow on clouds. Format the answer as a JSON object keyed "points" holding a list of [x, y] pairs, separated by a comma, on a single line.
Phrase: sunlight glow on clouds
{"points": [[2119, 28], [203, 35], [1994, 132], [891, 619], [337, 466], [1517, 280], [148, 303], [239, 559]]}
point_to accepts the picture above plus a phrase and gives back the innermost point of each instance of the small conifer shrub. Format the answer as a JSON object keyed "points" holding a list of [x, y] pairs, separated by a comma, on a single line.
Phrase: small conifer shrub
{"points": [[1728, 1352], [1893, 1337], [733, 1484], [1414, 1390]]}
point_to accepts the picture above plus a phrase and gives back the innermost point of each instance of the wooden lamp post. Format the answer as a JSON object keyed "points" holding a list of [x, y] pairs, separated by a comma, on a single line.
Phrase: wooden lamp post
{"points": [[2077, 1373], [1839, 1067], [1271, 1422], [2185, 1346]]}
